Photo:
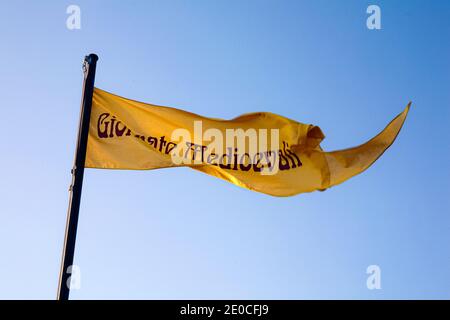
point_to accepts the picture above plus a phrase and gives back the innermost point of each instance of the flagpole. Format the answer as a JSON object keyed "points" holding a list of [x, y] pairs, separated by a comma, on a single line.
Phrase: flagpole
{"points": [[89, 66]]}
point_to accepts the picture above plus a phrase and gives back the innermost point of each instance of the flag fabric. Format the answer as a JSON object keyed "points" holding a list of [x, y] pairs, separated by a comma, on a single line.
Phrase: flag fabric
{"points": [[260, 151]]}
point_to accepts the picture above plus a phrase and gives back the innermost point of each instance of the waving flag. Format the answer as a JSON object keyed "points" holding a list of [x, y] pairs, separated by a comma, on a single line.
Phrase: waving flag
{"points": [[260, 151]]}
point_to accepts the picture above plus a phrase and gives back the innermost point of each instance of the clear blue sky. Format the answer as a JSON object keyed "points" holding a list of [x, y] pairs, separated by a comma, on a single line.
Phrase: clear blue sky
{"points": [[177, 233]]}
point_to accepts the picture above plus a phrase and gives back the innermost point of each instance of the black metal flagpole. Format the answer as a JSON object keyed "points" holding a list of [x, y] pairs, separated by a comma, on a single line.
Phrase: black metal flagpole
{"points": [[89, 66]]}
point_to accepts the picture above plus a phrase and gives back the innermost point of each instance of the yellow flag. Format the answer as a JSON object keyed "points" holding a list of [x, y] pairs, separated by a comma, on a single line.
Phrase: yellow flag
{"points": [[260, 151]]}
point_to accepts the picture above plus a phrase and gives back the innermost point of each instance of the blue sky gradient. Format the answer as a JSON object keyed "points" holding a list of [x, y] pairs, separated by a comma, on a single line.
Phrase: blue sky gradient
{"points": [[180, 234]]}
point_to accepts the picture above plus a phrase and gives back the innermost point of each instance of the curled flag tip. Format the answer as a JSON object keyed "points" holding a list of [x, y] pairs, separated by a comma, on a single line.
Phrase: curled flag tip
{"points": [[344, 164]]}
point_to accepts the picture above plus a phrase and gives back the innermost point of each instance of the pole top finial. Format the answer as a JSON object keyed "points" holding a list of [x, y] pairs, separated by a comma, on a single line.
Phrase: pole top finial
{"points": [[91, 58]]}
